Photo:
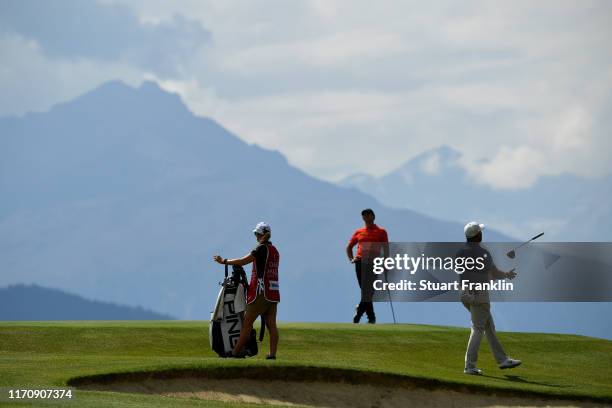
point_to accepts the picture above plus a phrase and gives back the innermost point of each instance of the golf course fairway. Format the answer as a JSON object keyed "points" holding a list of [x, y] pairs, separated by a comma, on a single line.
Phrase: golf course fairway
{"points": [[169, 363]]}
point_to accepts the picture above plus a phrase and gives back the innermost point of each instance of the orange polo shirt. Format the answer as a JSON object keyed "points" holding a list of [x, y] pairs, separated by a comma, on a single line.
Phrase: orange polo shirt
{"points": [[367, 234]]}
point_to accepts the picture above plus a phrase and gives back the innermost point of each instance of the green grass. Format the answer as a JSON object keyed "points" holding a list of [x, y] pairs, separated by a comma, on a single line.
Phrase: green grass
{"points": [[43, 354]]}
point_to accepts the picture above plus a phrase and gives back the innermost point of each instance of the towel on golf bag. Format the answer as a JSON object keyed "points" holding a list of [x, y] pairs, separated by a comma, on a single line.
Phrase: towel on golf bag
{"points": [[238, 306], [228, 315]]}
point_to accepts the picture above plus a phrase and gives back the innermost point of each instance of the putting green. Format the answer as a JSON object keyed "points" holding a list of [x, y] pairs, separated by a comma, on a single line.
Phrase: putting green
{"points": [[426, 358]]}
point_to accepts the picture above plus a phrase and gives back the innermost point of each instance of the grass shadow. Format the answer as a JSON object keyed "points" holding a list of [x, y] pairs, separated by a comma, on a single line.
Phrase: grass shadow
{"points": [[519, 379]]}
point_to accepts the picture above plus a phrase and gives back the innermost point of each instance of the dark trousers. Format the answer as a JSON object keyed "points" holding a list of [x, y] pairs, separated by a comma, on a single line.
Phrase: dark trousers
{"points": [[365, 305]]}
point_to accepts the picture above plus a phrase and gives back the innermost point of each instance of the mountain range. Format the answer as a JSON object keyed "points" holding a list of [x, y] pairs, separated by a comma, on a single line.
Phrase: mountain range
{"points": [[567, 207], [123, 194], [33, 302]]}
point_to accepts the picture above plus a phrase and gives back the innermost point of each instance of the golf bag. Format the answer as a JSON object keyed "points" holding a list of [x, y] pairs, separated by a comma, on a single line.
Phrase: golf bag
{"points": [[226, 320]]}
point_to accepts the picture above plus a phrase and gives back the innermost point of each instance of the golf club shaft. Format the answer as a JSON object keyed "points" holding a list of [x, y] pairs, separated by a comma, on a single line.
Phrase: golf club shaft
{"points": [[390, 301], [526, 242], [392, 310]]}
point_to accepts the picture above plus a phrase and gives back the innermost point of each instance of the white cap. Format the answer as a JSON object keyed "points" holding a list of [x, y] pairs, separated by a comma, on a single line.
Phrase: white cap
{"points": [[261, 228], [472, 229]]}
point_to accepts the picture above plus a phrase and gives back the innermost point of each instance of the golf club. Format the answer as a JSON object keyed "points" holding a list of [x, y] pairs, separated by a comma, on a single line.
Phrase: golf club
{"points": [[390, 301], [392, 310], [512, 253]]}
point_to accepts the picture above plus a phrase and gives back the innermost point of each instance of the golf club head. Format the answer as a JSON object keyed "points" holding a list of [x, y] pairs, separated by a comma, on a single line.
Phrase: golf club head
{"points": [[511, 254]]}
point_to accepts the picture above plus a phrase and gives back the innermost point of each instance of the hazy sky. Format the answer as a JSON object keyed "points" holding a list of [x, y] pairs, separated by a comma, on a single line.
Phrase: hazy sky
{"points": [[523, 89]]}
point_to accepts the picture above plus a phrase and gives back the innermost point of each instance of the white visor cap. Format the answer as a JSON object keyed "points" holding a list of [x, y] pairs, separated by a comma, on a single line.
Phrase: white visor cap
{"points": [[262, 228]]}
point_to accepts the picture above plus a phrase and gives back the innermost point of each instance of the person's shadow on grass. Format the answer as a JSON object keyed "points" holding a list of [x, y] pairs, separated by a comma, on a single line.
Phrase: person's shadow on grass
{"points": [[518, 379]]}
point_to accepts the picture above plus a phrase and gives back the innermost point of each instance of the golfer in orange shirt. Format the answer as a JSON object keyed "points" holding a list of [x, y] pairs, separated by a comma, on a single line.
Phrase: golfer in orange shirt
{"points": [[369, 233]]}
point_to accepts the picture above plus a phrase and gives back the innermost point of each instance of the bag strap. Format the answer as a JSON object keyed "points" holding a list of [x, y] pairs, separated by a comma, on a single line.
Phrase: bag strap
{"points": [[226, 270]]}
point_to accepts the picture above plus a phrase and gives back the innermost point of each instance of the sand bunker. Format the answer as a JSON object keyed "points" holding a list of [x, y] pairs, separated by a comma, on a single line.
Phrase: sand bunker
{"points": [[383, 392]]}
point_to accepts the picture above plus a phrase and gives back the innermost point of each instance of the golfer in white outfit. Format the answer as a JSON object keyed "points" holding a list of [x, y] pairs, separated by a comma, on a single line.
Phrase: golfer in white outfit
{"points": [[478, 303]]}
